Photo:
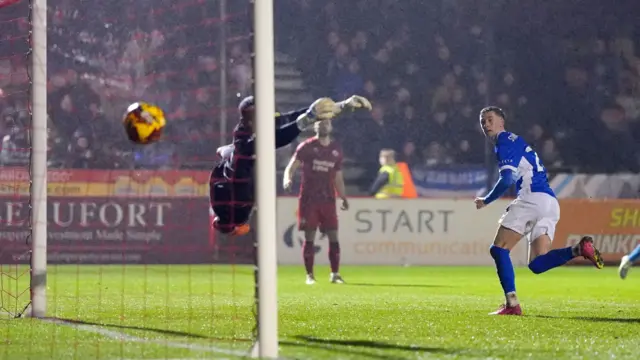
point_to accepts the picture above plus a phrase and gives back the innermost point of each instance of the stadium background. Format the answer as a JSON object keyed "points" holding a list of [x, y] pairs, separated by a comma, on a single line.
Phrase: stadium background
{"points": [[572, 90]]}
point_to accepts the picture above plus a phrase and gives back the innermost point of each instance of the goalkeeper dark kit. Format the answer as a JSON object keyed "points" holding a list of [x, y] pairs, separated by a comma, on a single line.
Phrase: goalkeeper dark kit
{"points": [[231, 186]]}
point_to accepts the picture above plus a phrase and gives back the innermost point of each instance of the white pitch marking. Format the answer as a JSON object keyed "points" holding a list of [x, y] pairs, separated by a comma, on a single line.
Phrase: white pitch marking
{"points": [[118, 335]]}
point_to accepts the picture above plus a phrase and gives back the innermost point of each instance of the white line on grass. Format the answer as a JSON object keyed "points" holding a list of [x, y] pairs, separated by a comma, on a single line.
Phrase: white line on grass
{"points": [[171, 359], [118, 335]]}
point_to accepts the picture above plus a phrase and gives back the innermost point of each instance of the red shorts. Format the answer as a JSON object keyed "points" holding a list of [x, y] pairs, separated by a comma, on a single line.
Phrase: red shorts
{"points": [[314, 216]]}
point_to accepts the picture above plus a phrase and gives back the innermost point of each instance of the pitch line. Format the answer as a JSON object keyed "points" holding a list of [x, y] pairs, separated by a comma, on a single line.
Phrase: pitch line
{"points": [[119, 335]]}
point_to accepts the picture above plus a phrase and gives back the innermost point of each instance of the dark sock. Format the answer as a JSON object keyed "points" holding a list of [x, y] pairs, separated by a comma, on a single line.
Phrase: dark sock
{"points": [[505, 268], [550, 260], [308, 256], [334, 256]]}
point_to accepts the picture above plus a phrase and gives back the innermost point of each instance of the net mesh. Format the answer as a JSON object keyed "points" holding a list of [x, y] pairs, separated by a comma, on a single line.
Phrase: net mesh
{"points": [[130, 247], [14, 152]]}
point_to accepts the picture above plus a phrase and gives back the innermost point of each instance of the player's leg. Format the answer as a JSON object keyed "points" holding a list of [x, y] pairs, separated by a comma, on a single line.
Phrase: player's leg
{"points": [[505, 240], [220, 201], [541, 257], [308, 223], [334, 257], [627, 262], [514, 224], [229, 218], [329, 226], [241, 219]]}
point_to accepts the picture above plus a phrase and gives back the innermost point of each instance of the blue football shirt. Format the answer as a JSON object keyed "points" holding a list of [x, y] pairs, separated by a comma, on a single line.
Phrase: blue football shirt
{"points": [[516, 155]]}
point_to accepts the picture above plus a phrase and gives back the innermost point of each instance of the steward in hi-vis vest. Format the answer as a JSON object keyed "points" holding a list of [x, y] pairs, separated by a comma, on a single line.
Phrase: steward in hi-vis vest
{"points": [[390, 182]]}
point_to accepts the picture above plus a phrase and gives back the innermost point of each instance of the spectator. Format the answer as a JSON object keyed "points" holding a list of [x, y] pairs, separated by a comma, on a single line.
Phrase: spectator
{"points": [[14, 150], [80, 153], [409, 153], [435, 155], [551, 156]]}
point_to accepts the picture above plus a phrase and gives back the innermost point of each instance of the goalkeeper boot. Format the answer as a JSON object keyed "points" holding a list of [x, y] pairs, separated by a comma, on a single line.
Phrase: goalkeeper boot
{"points": [[625, 265], [335, 278], [508, 310], [587, 250], [233, 230], [240, 230], [311, 279]]}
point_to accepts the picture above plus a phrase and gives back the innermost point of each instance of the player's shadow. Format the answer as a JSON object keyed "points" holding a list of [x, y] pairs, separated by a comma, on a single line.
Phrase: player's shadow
{"points": [[590, 318], [341, 346], [395, 285], [142, 328]]}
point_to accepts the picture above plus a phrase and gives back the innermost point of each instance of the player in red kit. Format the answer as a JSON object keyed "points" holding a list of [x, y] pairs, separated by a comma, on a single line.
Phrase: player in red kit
{"points": [[321, 160]]}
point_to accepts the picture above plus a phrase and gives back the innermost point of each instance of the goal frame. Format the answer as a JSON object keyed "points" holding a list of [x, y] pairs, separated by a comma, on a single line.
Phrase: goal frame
{"points": [[264, 85], [266, 233], [38, 161]]}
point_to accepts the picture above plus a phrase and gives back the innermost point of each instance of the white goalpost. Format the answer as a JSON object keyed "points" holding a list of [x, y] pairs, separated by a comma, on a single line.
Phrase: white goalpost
{"points": [[264, 88], [38, 188]]}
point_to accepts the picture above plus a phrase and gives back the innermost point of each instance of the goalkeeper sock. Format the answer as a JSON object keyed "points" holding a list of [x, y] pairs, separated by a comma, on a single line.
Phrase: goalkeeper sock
{"points": [[308, 255], [550, 260], [505, 269], [635, 254], [334, 256]]}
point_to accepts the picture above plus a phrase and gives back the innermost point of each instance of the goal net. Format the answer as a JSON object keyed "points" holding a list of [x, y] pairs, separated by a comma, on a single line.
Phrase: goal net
{"points": [[133, 270]]}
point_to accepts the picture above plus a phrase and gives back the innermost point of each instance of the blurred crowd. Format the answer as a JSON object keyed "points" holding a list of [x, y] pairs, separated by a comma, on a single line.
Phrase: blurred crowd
{"points": [[102, 57], [430, 69], [427, 69]]}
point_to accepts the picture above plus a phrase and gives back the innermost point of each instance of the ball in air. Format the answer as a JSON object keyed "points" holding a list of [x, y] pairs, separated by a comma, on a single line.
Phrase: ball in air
{"points": [[144, 122]]}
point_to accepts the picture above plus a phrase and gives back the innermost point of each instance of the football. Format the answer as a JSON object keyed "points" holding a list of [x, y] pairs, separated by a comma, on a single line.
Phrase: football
{"points": [[144, 123]]}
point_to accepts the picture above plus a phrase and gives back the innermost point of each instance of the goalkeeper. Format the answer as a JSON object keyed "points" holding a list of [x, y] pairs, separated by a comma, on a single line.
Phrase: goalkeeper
{"points": [[231, 184]]}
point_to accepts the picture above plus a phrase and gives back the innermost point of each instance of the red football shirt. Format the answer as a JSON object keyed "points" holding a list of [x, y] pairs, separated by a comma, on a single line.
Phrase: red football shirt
{"points": [[319, 166]]}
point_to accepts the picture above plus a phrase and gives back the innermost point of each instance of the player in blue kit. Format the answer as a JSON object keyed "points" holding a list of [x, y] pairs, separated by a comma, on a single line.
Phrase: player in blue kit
{"points": [[627, 262], [534, 213]]}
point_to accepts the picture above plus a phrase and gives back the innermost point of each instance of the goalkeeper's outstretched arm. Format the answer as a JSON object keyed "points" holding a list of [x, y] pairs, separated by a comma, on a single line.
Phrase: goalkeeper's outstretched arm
{"points": [[289, 125]]}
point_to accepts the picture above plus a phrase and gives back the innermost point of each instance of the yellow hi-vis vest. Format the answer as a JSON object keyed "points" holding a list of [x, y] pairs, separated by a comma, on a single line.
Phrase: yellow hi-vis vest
{"points": [[395, 185]]}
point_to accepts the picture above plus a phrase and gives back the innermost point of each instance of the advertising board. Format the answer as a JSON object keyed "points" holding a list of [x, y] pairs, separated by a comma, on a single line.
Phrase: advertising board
{"points": [[402, 232], [111, 230], [105, 217], [449, 181], [613, 224]]}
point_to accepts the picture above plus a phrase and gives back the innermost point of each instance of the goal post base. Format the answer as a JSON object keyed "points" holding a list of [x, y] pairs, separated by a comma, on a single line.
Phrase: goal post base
{"points": [[254, 353]]}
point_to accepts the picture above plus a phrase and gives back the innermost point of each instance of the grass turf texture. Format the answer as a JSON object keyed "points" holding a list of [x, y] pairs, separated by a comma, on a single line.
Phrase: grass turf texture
{"points": [[382, 313]]}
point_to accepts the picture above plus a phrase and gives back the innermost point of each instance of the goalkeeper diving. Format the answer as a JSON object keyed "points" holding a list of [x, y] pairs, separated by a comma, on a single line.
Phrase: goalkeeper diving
{"points": [[231, 185]]}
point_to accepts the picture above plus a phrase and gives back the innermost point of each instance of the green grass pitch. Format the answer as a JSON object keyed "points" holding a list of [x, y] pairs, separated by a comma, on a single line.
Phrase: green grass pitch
{"points": [[204, 312]]}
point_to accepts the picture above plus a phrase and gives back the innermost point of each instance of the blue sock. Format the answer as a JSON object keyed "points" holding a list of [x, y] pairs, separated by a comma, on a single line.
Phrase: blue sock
{"points": [[505, 268], [635, 254], [550, 260]]}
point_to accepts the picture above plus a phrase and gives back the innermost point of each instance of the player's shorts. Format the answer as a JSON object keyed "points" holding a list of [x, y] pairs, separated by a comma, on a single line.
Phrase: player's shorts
{"points": [[533, 214], [320, 215]]}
